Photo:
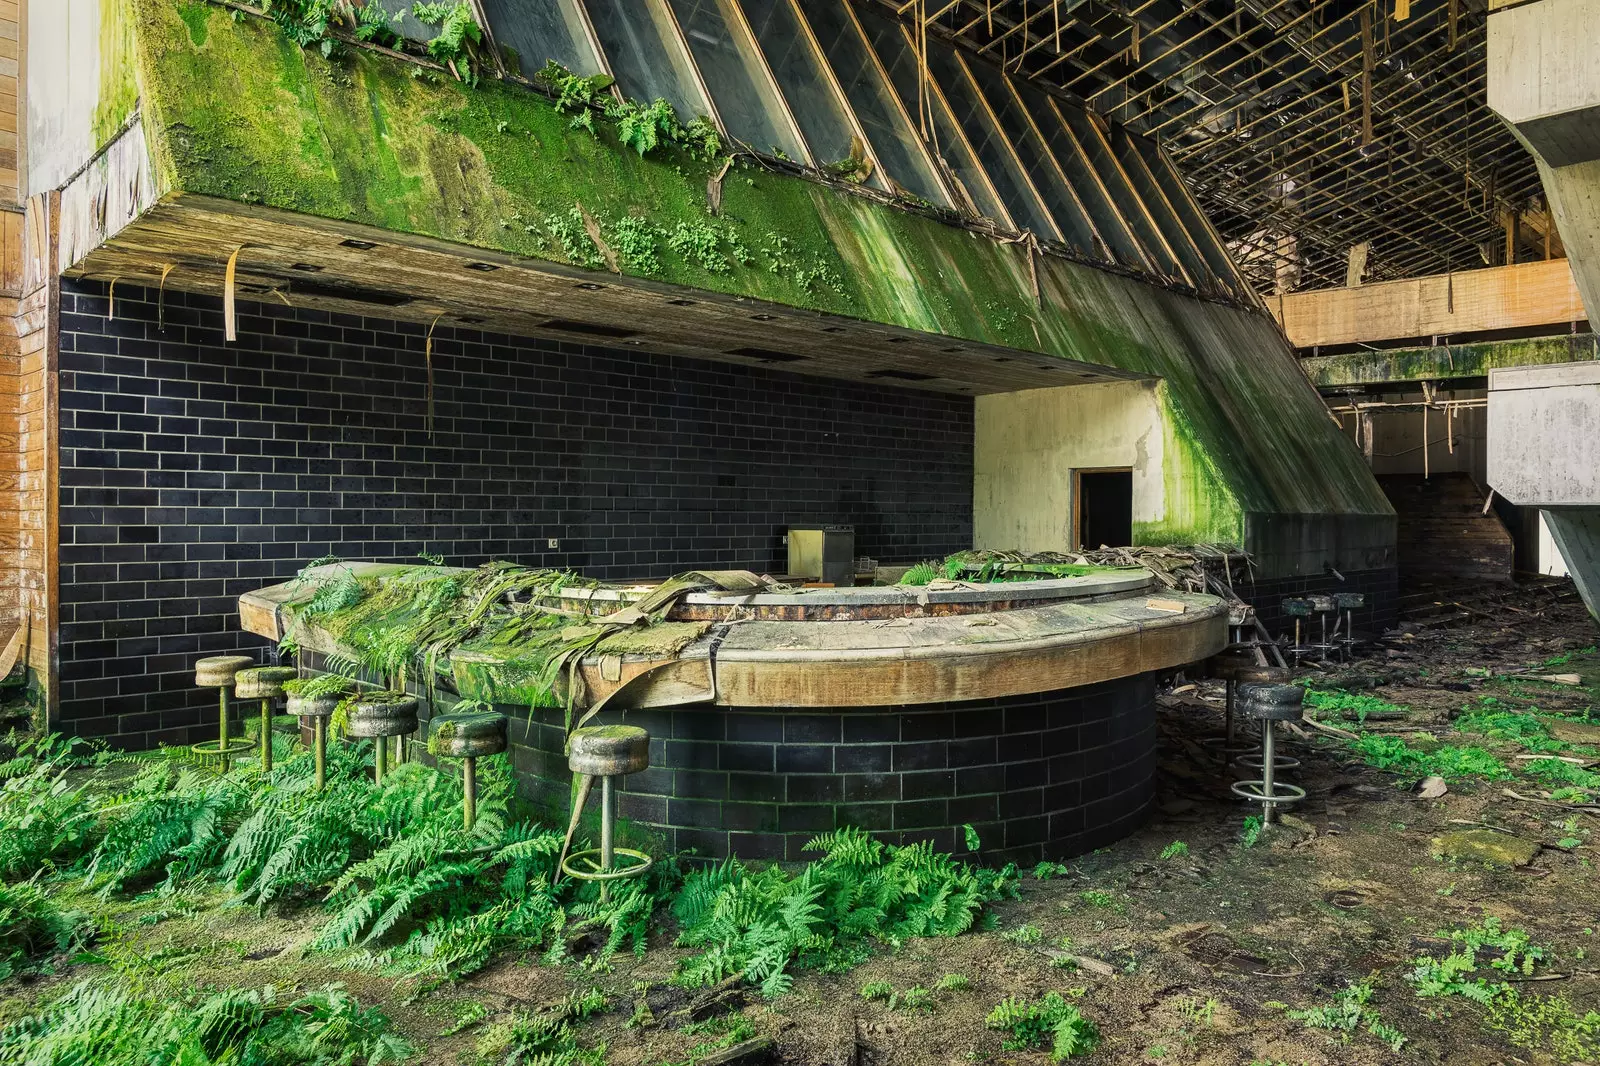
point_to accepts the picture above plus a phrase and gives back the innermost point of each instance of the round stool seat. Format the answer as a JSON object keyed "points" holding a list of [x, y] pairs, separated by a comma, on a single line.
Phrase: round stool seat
{"points": [[1322, 604], [1272, 702], [467, 735], [375, 717], [609, 750], [313, 706], [217, 671], [1297, 607], [1349, 600], [1241, 665], [262, 682]]}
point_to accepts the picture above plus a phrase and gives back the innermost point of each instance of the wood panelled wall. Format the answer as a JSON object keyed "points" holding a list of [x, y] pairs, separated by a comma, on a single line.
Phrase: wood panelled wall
{"points": [[27, 303]]}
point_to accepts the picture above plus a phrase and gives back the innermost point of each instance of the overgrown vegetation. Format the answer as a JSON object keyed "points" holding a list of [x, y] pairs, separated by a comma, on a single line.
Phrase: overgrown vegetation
{"points": [[984, 566], [1479, 968], [1351, 1010], [124, 1023], [762, 923], [1050, 1022], [319, 24]]}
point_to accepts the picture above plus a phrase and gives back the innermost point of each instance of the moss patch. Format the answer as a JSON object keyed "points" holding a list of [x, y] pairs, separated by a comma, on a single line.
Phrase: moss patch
{"points": [[1485, 845], [1445, 363]]}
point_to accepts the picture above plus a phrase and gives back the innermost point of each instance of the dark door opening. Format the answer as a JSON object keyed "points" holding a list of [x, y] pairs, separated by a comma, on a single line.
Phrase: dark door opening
{"points": [[1103, 508]]}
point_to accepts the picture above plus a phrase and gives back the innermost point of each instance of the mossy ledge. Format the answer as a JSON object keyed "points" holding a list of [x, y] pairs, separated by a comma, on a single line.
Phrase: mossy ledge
{"points": [[235, 110]]}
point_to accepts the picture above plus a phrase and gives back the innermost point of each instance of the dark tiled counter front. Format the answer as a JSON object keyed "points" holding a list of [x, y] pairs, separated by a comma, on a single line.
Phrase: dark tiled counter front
{"points": [[1042, 775]]}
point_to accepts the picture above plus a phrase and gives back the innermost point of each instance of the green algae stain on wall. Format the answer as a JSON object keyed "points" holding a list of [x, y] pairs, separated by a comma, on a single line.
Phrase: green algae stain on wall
{"points": [[119, 85]]}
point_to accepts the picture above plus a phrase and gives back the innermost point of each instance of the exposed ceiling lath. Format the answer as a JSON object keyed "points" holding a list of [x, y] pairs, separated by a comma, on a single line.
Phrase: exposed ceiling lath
{"points": [[1301, 135]]}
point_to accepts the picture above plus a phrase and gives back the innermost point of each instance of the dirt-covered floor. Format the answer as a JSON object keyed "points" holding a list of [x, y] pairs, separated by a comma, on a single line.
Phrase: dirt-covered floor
{"points": [[1198, 940]]}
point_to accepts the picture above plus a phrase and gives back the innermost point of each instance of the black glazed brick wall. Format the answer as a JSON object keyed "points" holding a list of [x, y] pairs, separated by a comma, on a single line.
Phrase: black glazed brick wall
{"points": [[1044, 775], [193, 470]]}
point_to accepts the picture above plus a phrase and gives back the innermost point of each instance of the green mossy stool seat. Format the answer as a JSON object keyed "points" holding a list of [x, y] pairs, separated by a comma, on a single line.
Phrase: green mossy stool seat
{"points": [[381, 715], [218, 672], [606, 752], [467, 736], [1270, 704], [264, 683], [609, 750]]}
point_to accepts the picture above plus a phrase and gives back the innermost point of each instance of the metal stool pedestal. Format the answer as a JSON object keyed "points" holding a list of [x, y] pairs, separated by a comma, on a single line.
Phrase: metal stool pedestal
{"points": [[264, 683], [605, 752], [1348, 602], [319, 709], [1270, 704]]}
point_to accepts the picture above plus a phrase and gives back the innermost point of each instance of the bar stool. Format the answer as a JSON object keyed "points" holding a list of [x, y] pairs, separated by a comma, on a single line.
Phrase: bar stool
{"points": [[1298, 608], [1325, 605], [1236, 666], [606, 752], [1349, 602], [381, 715], [319, 709], [1270, 704], [467, 736], [218, 672], [264, 683]]}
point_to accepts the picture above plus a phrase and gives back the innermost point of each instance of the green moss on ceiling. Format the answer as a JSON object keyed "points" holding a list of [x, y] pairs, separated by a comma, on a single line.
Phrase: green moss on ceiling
{"points": [[241, 113]]}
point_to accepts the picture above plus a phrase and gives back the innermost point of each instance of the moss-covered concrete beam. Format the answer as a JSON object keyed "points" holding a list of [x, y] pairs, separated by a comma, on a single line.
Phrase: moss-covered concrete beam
{"points": [[1446, 362]]}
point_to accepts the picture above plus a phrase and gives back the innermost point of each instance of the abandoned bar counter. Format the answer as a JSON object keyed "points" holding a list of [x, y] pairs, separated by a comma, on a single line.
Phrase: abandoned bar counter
{"points": [[1025, 709]]}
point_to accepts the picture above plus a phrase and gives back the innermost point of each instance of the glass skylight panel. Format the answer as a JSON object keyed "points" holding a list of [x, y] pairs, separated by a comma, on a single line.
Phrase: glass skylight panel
{"points": [[736, 77], [1165, 220], [895, 143], [1111, 195], [895, 53], [642, 46], [537, 31], [803, 80], [993, 153]]}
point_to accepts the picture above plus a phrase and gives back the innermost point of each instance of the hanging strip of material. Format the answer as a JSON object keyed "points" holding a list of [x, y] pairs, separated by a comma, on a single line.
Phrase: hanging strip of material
{"points": [[230, 309], [1455, 14], [1367, 63]]}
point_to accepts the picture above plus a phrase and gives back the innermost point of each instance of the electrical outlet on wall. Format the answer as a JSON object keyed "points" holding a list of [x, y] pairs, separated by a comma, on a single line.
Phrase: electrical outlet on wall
{"points": [[552, 544]]}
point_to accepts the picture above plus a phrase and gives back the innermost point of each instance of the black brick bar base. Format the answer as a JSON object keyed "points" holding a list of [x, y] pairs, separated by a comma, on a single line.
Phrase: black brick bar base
{"points": [[1381, 587], [1038, 776], [193, 471]]}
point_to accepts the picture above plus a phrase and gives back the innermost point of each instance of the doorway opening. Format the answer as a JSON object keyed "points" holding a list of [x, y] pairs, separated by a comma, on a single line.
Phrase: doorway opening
{"points": [[1102, 507]]}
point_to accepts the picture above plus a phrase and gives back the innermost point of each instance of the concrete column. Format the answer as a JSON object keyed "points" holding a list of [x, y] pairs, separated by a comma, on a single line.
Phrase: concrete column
{"points": [[1544, 81], [1544, 452]]}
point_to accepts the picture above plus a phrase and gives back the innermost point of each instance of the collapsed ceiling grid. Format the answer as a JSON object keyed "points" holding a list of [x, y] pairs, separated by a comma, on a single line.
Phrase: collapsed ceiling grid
{"points": [[1305, 128]]}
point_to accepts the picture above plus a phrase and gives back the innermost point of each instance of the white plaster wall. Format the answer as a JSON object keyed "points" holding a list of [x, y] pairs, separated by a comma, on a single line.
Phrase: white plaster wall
{"points": [[1027, 444], [1550, 561], [1541, 59], [63, 90]]}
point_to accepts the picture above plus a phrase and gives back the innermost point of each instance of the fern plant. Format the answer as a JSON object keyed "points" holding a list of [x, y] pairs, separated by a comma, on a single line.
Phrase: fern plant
{"points": [[119, 1023], [44, 820], [172, 819], [760, 922], [1050, 1022], [33, 925]]}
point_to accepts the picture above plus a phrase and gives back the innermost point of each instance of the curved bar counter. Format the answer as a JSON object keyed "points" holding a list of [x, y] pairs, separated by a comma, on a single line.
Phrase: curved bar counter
{"points": [[1025, 709]]}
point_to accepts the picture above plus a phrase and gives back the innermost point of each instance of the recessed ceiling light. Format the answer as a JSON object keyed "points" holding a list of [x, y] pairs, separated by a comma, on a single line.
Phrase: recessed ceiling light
{"points": [[353, 243], [309, 268], [763, 318], [590, 286], [482, 268], [898, 340], [681, 303], [833, 329], [471, 320]]}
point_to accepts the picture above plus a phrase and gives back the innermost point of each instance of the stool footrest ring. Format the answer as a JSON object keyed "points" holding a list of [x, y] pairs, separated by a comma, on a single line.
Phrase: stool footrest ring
{"points": [[1283, 794], [639, 864], [1254, 761], [211, 748]]}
